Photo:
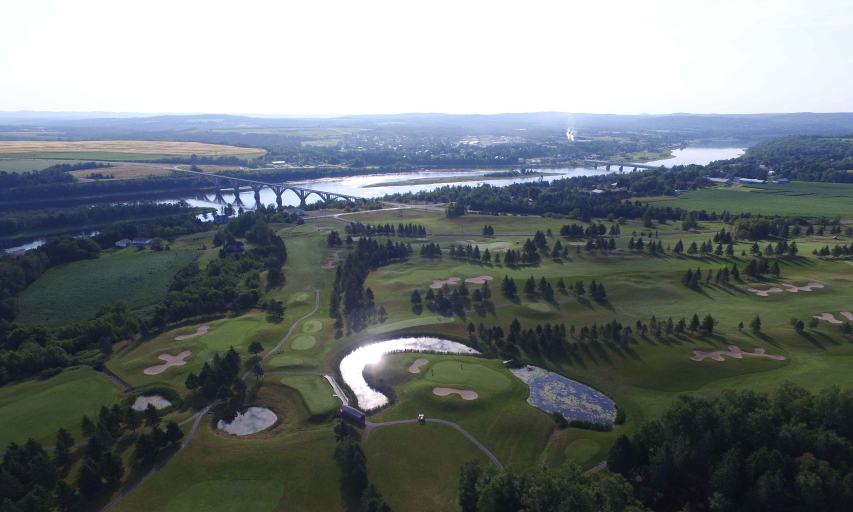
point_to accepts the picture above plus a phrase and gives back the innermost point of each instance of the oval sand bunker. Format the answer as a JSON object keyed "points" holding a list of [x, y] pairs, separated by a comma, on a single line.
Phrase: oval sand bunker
{"points": [[466, 394], [177, 360], [250, 421], [416, 366], [141, 403]]}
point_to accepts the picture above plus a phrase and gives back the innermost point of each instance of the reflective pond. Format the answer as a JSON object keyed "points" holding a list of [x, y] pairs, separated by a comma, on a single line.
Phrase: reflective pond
{"points": [[352, 366], [253, 419], [552, 392], [158, 401]]}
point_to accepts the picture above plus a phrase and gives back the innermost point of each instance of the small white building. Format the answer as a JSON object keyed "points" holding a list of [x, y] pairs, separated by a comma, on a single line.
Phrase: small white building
{"points": [[781, 181], [124, 242], [141, 241]]}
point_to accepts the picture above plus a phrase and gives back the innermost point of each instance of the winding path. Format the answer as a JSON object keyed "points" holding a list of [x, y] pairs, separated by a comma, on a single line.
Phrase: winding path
{"points": [[369, 426]]}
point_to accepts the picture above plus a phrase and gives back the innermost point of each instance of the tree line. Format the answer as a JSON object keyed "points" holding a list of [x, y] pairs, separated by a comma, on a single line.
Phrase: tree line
{"points": [[410, 229]]}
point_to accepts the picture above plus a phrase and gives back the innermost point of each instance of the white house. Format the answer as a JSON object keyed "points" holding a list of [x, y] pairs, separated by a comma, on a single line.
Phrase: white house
{"points": [[124, 242]]}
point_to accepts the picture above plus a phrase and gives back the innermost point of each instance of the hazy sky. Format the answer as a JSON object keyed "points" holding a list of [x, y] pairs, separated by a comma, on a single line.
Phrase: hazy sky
{"points": [[329, 57]]}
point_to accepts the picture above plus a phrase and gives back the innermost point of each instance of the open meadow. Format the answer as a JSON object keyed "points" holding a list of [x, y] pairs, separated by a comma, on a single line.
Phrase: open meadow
{"points": [[792, 199], [75, 291]]}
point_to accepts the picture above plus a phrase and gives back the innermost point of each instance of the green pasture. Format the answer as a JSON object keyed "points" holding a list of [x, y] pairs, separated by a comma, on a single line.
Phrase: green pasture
{"points": [[416, 466], [15, 165], [37, 408], [795, 198], [76, 290]]}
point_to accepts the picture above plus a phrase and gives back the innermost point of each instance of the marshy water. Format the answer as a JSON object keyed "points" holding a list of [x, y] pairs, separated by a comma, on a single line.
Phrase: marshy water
{"points": [[552, 392], [250, 421], [352, 366], [157, 401]]}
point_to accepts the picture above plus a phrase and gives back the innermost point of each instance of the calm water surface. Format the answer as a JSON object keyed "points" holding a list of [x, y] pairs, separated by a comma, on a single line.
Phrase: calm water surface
{"points": [[352, 366], [253, 419]]}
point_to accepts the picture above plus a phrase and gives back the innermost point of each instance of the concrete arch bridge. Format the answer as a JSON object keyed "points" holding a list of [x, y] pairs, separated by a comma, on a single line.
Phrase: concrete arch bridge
{"points": [[277, 188]]}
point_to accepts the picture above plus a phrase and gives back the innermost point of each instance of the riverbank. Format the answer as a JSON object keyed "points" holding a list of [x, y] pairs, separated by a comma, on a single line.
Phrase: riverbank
{"points": [[456, 179]]}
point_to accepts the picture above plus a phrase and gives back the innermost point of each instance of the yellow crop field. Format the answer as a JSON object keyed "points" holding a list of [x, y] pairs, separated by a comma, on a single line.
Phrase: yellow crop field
{"points": [[124, 146]]}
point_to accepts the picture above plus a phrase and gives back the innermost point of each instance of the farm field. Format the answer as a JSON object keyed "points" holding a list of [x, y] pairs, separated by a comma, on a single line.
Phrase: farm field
{"points": [[795, 198], [118, 149], [15, 165], [76, 290], [37, 408], [125, 171]]}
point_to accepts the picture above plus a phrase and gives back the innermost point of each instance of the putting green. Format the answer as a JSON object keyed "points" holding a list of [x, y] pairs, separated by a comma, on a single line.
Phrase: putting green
{"points": [[303, 342], [315, 391], [465, 374], [538, 306], [229, 495], [582, 450], [230, 333], [312, 326], [302, 297], [285, 361]]}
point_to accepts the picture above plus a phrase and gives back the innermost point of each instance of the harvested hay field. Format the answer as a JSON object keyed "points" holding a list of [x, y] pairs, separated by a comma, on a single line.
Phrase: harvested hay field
{"points": [[125, 171], [123, 146]]}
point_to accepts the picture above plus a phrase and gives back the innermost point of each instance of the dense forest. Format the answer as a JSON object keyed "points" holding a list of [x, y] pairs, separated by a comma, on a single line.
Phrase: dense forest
{"points": [[744, 450], [17, 221], [796, 157]]}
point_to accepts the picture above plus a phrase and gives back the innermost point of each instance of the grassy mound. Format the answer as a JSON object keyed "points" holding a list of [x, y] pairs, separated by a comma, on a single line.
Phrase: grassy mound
{"points": [[229, 495], [37, 408]]}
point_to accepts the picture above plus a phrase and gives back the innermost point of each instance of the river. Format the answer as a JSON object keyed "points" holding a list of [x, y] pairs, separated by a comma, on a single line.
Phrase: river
{"points": [[359, 185]]}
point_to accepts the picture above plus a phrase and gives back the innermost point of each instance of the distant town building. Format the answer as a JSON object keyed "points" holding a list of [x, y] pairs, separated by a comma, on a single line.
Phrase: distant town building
{"points": [[141, 241], [722, 181], [751, 181], [124, 242], [597, 191], [781, 181]]}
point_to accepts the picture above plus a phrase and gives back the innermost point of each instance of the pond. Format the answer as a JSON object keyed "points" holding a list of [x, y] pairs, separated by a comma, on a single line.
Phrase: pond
{"points": [[352, 366], [158, 401], [552, 392], [250, 421]]}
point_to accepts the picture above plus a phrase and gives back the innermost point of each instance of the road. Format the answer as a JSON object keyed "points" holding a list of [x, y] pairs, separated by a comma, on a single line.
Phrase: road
{"points": [[369, 426]]}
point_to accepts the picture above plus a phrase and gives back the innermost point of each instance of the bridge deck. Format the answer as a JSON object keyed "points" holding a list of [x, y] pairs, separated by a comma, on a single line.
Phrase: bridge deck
{"points": [[623, 164], [285, 186]]}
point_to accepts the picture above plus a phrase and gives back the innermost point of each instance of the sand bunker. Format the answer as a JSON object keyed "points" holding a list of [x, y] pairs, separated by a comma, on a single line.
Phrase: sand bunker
{"points": [[177, 360], [829, 317], [466, 394], [201, 330], [333, 258], [764, 293], [141, 403], [479, 279], [733, 351], [848, 315], [807, 288], [416, 366], [438, 283]]}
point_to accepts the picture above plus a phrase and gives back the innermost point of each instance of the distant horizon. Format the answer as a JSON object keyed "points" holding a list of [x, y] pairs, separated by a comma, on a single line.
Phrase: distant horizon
{"points": [[128, 114]]}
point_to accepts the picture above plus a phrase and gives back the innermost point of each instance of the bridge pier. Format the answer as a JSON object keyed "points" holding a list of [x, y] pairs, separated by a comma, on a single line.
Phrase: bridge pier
{"points": [[608, 167], [635, 169], [217, 184], [301, 194], [278, 191], [620, 168], [256, 188]]}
